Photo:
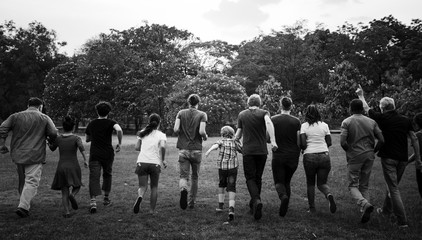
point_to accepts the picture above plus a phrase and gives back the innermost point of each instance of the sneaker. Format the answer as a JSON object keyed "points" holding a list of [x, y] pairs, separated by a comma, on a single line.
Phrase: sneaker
{"points": [[368, 209], [231, 214], [332, 203], [403, 226], [191, 205], [136, 205], [93, 208], [283, 206], [107, 202], [311, 210], [257, 211], [220, 207], [73, 202], [184, 199], [23, 213]]}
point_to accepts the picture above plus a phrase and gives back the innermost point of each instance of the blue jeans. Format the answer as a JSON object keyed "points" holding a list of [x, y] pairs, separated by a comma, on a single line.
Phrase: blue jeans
{"points": [[359, 172], [189, 159], [317, 166], [253, 166], [393, 171]]}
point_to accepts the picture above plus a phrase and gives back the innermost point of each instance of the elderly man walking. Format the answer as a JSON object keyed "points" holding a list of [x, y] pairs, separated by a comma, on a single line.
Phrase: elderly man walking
{"points": [[31, 128], [394, 154]]}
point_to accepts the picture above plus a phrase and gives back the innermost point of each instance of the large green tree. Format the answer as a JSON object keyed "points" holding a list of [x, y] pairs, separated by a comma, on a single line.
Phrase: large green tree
{"points": [[26, 56]]}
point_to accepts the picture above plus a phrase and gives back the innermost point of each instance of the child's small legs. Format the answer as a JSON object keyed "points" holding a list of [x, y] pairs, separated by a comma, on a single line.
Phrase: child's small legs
{"points": [[65, 200], [221, 196]]}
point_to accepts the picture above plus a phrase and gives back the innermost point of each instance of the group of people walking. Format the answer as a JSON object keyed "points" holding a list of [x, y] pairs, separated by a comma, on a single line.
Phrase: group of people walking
{"points": [[361, 137]]}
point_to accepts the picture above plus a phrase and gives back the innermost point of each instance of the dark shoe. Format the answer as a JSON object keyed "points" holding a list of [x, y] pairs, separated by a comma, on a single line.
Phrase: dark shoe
{"points": [[184, 199], [137, 204], [23, 213], [332, 203], [191, 205], [257, 213], [367, 210], [283, 206], [66, 215], [311, 210], [107, 202], [73, 202], [231, 214], [93, 209]]}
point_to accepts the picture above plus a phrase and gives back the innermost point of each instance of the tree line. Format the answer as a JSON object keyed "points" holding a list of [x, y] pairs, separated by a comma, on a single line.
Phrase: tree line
{"points": [[153, 68]]}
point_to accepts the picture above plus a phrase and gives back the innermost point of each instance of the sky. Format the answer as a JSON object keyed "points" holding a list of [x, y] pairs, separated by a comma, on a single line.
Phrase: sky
{"points": [[233, 21]]}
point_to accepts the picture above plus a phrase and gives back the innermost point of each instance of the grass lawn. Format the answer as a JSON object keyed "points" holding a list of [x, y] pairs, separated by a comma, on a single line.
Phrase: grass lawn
{"points": [[119, 222]]}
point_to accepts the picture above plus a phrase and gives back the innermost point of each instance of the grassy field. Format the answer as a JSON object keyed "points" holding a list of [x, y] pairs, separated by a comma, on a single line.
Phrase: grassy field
{"points": [[119, 222]]}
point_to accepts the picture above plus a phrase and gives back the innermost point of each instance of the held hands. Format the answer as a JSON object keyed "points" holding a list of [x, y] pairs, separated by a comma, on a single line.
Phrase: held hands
{"points": [[4, 149], [164, 164], [274, 146], [86, 164], [117, 148]]}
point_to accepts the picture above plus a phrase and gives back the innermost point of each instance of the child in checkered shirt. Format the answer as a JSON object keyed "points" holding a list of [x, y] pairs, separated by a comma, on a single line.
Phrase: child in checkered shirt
{"points": [[227, 167]]}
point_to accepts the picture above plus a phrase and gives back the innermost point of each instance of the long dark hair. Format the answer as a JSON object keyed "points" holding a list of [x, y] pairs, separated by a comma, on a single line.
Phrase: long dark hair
{"points": [[312, 114], [154, 121]]}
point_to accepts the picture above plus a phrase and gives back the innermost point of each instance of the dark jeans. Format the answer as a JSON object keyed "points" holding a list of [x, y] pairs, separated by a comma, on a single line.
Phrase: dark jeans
{"points": [[253, 166], [393, 171], [151, 170], [95, 174], [317, 166], [283, 169], [419, 180]]}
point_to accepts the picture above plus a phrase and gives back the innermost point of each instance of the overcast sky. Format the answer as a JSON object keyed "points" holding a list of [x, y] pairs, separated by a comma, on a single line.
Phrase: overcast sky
{"points": [[76, 21]]}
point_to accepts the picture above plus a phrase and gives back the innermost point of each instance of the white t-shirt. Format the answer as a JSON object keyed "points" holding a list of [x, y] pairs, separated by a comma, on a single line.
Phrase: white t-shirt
{"points": [[150, 147], [315, 137]]}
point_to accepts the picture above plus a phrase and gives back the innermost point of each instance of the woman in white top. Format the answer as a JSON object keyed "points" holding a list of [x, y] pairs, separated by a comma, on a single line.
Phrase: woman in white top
{"points": [[315, 139], [152, 146]]}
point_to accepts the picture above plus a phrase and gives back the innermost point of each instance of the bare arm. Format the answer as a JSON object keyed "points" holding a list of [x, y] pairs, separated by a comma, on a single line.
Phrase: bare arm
{"points": [[138, 145], [380, 141], [303, 144], [176, 127], [212, 148], [119, 136], [238, 135], [270, 130], [343, 142], [163, 153], [359, 92], [202, 131], [328, 140], [416, 149], [84, 157]]}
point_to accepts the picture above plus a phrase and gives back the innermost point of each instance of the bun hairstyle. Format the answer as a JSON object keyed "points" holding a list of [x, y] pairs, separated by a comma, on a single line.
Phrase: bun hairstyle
{"points": [[153, 122], [193, 99], [68, 124]]}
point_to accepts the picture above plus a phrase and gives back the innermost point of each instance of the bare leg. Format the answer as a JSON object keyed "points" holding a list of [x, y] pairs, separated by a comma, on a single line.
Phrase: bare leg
{"points": [[65, 199]]}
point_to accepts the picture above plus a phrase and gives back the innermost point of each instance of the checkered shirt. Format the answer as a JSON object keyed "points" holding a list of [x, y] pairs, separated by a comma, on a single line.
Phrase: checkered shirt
{"points": [[227, 157]]}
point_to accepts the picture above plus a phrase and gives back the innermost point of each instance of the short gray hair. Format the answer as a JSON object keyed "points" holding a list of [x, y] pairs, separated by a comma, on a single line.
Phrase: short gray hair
{"points": [[387, 104], [254, 100]]}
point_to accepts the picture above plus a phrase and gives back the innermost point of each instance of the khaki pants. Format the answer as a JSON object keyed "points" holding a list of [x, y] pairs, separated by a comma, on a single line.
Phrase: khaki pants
{"points": [[32, 181]]}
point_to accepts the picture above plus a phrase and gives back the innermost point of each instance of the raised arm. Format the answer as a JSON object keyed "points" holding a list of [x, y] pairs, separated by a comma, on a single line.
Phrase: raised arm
{"points": [[359, 92]]}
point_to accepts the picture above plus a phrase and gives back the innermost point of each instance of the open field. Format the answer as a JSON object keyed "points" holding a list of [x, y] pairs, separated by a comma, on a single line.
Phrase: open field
{"points": [[119, 222]]}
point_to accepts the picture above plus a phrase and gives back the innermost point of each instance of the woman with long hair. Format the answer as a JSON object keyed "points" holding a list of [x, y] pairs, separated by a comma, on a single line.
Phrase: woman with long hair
{"points": [[152, 146], [315, 140]]}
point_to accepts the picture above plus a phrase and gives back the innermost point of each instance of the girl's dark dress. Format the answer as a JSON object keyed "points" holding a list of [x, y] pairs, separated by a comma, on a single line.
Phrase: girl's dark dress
{"points": [[68, 171]]}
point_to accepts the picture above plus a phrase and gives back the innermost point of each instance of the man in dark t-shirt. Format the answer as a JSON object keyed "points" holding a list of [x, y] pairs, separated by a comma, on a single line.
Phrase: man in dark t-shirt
{"points": [[286, 157], [253, 124], [394, 154], [99, 133], [190, 126]]}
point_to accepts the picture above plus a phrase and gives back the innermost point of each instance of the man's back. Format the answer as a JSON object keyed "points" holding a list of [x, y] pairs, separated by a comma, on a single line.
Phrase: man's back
{"points": [[100, 131], [252, 123], [189, 137], [361, 132], [395, 129], [30, 129]]}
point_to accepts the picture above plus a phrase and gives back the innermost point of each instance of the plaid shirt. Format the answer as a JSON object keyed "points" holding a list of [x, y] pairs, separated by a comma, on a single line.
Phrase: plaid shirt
{"points": [[227, 157]]}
